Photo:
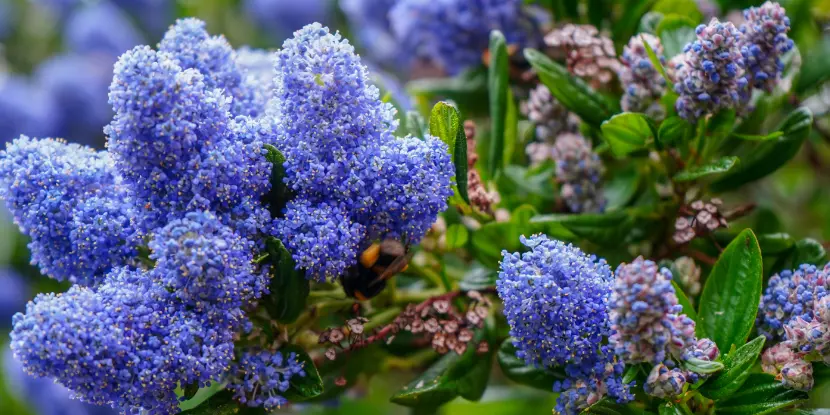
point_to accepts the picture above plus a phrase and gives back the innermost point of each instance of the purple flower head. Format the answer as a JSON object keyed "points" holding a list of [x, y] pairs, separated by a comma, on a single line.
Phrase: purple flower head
{"points": [[556, 303], [453, 34], [25, 108], [579, 170], [337, 137], [791, 294], [126, 344], [100, 28], [765, 40], [642, 83], [202, 261], [644, 315], [711, 75], [260, 377], [68, 200]]}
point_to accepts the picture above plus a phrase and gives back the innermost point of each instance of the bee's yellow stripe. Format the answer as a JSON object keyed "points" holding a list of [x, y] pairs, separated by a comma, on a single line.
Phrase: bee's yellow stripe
{"points": [[370, 255]]}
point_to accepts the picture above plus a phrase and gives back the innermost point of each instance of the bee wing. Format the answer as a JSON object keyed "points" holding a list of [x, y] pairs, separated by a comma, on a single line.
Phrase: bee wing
{"points": [[399, 264]]}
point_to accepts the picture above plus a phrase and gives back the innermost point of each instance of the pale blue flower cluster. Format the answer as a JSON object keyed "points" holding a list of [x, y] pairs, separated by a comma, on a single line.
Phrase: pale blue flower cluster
{"points": [[642, 83], [765, 40], [791, 294], [556, 302], [370, 19], [453, 34], [260, 376], [710, 76], [353, 179]]}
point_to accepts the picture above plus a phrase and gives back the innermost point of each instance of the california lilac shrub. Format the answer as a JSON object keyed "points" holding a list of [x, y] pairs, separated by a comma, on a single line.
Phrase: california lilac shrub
{"points": [[765, 39]]}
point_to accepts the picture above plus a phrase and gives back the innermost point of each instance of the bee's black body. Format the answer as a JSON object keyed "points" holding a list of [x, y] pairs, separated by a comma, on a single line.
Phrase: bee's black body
{"points": [[378, 263]]}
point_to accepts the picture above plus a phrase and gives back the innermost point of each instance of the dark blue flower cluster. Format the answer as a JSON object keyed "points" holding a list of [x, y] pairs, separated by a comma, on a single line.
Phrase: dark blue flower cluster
{"points": [[791, 294], [453, 34], [260, 376], [158, 233], [710, 76], [764, 41], [556, 302], [354, 180]]}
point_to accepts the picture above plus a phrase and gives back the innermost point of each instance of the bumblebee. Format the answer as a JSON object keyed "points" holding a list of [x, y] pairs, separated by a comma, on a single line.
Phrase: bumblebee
{"points": [[376, 265]]}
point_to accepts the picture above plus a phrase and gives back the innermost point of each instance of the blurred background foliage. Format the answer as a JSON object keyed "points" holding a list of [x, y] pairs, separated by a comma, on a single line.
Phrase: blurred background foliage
{"points": [[56, 60]]}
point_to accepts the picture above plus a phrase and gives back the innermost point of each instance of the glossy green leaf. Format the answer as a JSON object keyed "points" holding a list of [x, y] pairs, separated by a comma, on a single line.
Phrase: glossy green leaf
{"points": [[302, 388], [459, 159], [571, 91], [720, 125], [701, 366], [717, 167], [675, 31], [687, 8], [675, 130], [497, 80], [604, 229], [489, 240], [453, 375], [279, 194], [809, 251], [749, 137], [768, 156], [607, 406], [478, 277], [655, 62], [468, 90], [221, 403], [288, 287], [732, 292], [456, 236], [540, 184], [760, 394], [672, 408], [511, 129], [444, 123], [683, 300], [737, 367], [627, 132], [518, 371]]}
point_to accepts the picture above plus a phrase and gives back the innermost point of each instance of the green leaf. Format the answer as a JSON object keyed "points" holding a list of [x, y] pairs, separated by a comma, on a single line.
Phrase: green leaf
{"points": [[571, 91], [415, 124], [604, 229], [675, 31], [607, 406], [468, 90], [453, 375], [518, 371], [655, 62], [719, 166], [809, 251], [302, 388], [539, 184], [749, 137], [489, 240], [671, 408], [732, 292], [460, 161], [511, 129], [760, 394], [768, 156], [687, 8], [444, 123], [649, 22], [289, 288], [627, 132], [721, 125], [702, 366], [221, 403], [202, 395], [457, 236], [497, 80], [675, 130], [688, 308], [280, 193], [478, 277], [737, 367]]}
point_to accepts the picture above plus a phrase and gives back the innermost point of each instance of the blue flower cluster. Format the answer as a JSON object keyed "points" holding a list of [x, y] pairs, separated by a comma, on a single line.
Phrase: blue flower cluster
{"points": [[790, 294], [158, 233], [765, 40], [641, 81], [556, 302], [711, 74], [259, 376], [370, 18], [645, 315], [61, 195], [579, 171], [453, 34], [280, 18], [354, 180], [126, 344]]}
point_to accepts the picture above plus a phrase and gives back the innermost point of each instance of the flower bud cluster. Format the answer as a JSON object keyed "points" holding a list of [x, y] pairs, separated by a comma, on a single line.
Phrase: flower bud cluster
{"points": [[642, 82], [587, 53], [699, 218], [764, 41], [579, 171]]}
